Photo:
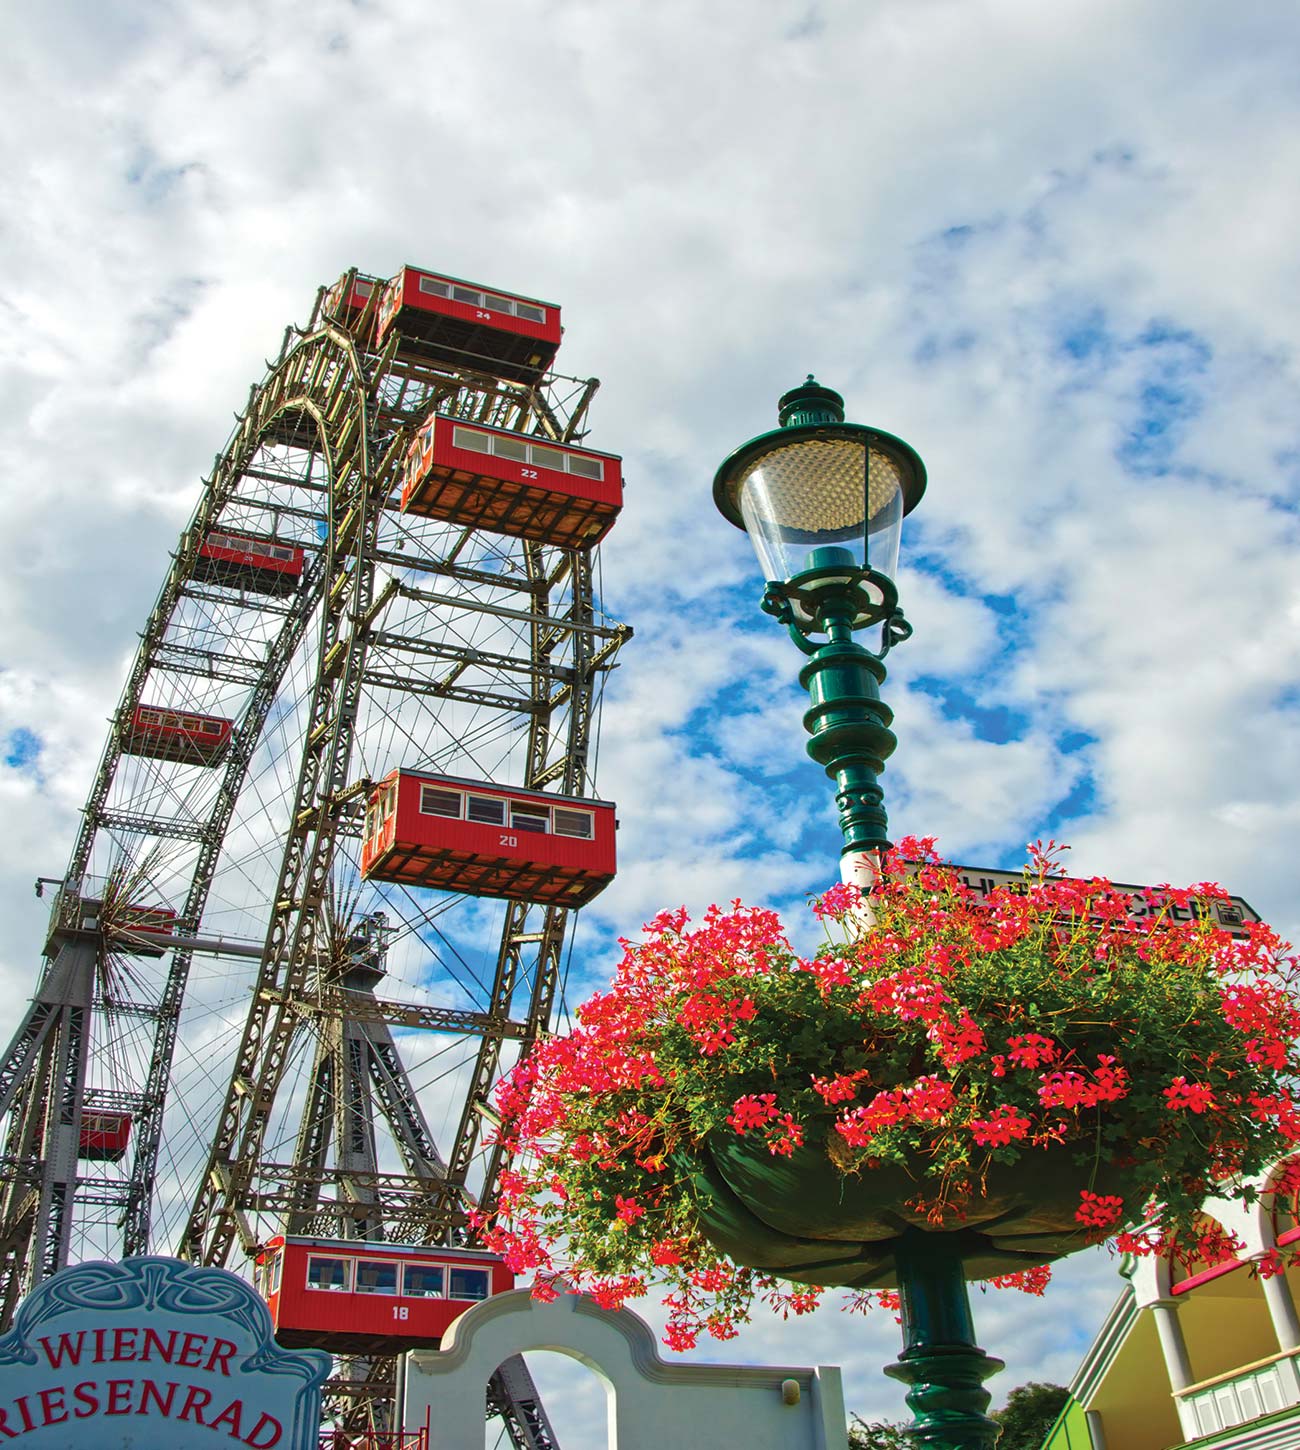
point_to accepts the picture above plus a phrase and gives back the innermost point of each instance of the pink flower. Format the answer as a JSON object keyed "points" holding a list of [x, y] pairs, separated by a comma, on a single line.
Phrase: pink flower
{"points": [[1028, 1281], [1192, 1096], [1110, 1082], [1064, 1090], [838, 902], [1031, 1050], [752, 1112], [928, 1099], [629, 1210], [957, 1041], [1001, 1126], [783, 1136], [839, 1089], [1098, 1210]]}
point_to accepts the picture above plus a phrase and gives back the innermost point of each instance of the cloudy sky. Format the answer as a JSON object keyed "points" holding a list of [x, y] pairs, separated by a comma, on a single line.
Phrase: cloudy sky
{"points": [[1052, 246]]}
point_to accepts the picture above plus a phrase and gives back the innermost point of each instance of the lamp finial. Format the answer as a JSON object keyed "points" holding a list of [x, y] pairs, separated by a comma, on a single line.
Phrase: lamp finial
{"points": [[810, 404]]}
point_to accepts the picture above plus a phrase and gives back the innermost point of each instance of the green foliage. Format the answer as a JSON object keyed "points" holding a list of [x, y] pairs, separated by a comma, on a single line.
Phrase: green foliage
{"points": [[1029, 1413], [880, 1435]]}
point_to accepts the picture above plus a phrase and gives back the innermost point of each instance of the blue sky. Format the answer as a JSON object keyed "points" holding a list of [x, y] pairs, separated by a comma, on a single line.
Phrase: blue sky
{"points": [[1052, 247]]}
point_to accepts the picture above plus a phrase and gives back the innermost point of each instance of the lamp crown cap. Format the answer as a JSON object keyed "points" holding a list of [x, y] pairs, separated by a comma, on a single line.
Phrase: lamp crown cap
{"points": [[809, 404]]}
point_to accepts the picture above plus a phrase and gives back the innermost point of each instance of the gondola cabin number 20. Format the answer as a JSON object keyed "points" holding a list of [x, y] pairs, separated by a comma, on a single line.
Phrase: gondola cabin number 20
{"points": [[488, 840]]}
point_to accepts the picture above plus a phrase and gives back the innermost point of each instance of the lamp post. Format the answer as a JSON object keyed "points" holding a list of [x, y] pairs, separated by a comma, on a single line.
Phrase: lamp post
{"points": [[823, 502]]}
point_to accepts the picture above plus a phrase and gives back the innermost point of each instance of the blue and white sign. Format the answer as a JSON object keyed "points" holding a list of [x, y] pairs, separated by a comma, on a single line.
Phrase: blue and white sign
{"points": [[154, 1352]]}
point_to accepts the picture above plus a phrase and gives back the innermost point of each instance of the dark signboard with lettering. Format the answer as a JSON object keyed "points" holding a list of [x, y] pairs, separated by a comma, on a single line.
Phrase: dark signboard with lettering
{"points": [[1232, 915]]}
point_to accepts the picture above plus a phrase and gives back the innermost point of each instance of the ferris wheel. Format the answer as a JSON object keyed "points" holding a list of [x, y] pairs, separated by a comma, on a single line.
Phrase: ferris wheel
{"points": [[326, 872]]}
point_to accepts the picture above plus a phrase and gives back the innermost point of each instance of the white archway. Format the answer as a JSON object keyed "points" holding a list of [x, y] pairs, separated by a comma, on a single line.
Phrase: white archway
{"points": [[653, 1402]]}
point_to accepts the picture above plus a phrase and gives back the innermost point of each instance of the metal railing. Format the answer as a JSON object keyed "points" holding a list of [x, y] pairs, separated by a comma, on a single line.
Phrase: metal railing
{"points": [[374, 1440]]}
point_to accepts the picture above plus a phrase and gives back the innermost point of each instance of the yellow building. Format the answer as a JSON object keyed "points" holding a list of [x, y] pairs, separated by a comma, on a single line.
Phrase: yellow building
{"points": [[1207, 1355]]}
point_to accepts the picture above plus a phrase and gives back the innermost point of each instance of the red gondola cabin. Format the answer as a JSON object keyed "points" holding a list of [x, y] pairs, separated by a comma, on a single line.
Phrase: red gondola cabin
{"points": [[351, 1296], [488, 840], [132, 926], [451, 321], [511, 483], [345, 301], [177, 735], [257, 565], [104, 1135]]}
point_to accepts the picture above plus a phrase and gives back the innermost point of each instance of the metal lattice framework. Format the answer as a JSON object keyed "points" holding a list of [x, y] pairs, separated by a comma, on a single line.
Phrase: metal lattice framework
{"points": [[272, 1085]]}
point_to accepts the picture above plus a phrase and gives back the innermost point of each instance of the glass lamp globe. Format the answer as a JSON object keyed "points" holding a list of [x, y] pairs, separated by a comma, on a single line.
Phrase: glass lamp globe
{"points": [[818, 493]]}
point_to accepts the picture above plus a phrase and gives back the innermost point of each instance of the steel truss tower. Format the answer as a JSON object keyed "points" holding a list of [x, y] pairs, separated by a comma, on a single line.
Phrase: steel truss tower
{"points": [[289, 1046]]}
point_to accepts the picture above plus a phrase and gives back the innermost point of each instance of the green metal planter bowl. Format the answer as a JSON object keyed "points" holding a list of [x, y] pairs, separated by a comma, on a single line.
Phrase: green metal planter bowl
{"points": [[800, 1218]]}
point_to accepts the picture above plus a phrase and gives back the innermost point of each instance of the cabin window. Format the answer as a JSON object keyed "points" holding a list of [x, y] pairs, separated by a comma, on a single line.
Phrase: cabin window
{"points": [[514, 448], [422, 1281], [150, 717], [468, 1283], [364, 289], [210, 727], [519, 450], [273, 1276], [472, 439], [586, 467], [530, 818], [493, 301], [376, 1278], [487, 810], [329, 1273], [435, 802], [573, 823], [547, 457]]}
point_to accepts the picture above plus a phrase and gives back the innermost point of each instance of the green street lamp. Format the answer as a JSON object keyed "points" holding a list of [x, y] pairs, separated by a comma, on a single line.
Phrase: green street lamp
{"points": [[823, 502]]}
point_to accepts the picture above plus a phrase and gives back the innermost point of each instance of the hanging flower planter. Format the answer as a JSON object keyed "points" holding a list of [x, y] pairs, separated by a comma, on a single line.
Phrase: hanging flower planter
{"points": [[801, 1218], [1006, 1078]]}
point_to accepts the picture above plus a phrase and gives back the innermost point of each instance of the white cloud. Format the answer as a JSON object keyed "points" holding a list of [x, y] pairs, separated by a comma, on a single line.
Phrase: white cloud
{"points": [[1051, 246]]}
